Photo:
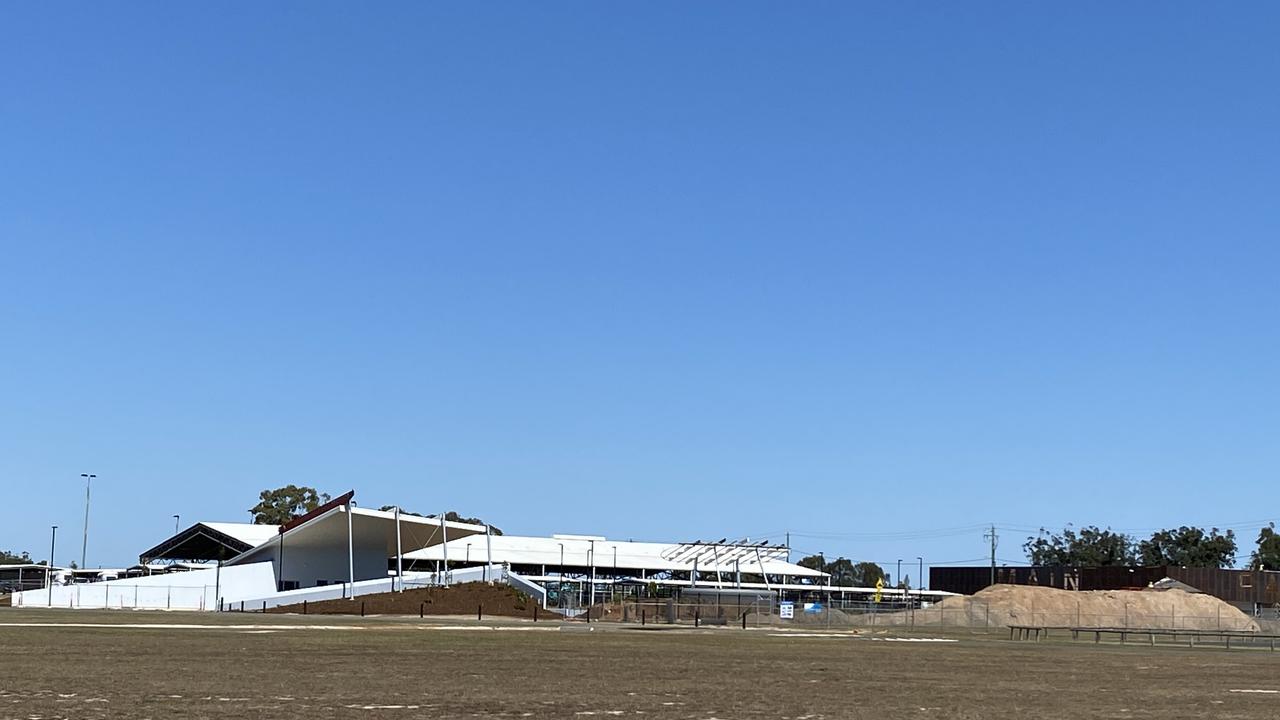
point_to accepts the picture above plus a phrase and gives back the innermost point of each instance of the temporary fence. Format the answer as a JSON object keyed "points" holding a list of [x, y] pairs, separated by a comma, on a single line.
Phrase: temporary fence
{"points": [[114, 595]]}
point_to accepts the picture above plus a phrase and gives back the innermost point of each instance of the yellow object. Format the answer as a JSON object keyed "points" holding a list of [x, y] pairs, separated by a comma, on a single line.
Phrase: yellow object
{"points": [[879, 588]]}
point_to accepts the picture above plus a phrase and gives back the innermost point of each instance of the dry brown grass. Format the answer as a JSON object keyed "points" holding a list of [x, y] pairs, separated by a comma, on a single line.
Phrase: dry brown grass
{"points": [[229, 670]]}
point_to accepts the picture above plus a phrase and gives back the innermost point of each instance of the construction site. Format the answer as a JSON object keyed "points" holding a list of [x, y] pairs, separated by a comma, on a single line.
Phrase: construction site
{"points": [[345, 610]]}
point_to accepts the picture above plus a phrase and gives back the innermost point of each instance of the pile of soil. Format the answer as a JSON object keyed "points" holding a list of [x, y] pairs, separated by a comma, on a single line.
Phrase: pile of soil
{"points": [[464, 599], [1034, 605]]}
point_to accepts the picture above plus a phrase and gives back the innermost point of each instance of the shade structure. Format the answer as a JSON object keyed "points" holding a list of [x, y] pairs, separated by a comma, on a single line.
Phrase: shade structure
{"points": [[345, 543], [210, 541]]}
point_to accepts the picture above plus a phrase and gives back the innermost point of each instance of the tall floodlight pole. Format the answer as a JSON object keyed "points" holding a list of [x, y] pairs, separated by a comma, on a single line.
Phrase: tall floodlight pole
{"points": [[84, 548], [48, 571], [592, 594], [176, 518], [560, 585], [898, 578], [920, 580]]}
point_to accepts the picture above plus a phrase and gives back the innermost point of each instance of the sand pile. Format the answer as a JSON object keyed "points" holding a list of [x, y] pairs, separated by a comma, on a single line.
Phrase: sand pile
{"points": [[1032, 605]]}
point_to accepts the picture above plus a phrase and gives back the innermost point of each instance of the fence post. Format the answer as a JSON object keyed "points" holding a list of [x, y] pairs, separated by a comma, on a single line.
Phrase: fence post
{"points": [[361, 608], [480, 612], [241, 606], [642, 616], [304, 607], [697, 616], [535, 613], [744, 619], [264, 606], [422, 609]]}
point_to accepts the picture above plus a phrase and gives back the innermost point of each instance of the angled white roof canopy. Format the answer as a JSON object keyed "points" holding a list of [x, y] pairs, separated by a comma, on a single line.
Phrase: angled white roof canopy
{"points": [[328, 530], [577, 551], [339, 542]]}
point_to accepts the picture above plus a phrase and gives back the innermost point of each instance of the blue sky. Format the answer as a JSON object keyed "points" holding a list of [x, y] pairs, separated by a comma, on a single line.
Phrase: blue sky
{"points": [[875, 274]]}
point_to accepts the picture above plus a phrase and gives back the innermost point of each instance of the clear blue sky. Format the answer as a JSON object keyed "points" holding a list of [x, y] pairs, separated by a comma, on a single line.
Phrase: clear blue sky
{"points": [[659, 270]]}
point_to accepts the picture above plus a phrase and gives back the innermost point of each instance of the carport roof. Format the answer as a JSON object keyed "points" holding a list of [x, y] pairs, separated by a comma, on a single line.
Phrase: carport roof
{"points": [[211, 541]]}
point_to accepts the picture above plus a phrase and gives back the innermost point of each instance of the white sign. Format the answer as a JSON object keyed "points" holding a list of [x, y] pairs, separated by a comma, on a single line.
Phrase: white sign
{"points": [[786, 610]]}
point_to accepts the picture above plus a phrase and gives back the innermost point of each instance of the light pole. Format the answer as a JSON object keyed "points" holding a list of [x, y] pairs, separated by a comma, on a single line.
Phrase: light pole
{"points": [[920, 580], [592, 595], [899, 578], [48, 571], [175, 523], [84, 548], [560, 585]]}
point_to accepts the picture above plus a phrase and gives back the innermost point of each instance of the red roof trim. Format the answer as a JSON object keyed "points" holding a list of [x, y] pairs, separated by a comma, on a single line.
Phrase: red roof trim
{"points": [[340, 500]]}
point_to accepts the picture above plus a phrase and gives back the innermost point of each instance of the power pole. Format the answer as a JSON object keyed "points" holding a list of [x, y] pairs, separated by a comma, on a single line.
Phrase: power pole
{"points": [[994, 540]]}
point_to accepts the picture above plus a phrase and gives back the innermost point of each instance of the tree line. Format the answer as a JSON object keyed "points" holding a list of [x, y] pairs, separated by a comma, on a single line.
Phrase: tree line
{"points": [[845, 572], [279, 506], [1185, 546]]}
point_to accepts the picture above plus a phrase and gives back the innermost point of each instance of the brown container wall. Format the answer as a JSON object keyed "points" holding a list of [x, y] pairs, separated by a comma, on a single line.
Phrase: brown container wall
{"points": [[1234, 586]]}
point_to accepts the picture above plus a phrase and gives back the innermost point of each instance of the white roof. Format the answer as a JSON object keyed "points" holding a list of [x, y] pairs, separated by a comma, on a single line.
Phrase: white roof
{"points": [[576, 551], [247, 533], [329, 530]]}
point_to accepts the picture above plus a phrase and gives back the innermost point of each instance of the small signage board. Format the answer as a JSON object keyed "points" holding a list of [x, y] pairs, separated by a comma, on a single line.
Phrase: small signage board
{"points": [[786, 610]]}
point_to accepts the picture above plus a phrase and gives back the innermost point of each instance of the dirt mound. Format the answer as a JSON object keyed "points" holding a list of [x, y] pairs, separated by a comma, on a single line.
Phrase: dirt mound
{"points": [[464, 599], [1033, 605]]}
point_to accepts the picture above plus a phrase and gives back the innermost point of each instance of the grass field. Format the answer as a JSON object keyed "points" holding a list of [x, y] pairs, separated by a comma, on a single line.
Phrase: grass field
{"points": [[271, 666]]}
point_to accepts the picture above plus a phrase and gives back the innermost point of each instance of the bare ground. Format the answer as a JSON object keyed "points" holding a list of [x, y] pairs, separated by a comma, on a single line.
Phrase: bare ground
{"points": [[275, 666], [473, 599]]}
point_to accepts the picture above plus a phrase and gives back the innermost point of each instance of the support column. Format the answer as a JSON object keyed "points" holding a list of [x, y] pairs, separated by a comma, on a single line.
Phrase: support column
{"points": [[444, 539], [399, 553], [351, 553], [488, 549], [763, 574]]}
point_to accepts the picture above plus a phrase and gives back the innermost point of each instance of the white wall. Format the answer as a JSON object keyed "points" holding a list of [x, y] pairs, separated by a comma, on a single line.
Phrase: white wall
{"points": [[194, 590]]}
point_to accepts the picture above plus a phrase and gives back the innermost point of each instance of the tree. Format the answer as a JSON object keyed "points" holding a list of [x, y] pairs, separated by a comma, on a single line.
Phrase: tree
{"points": [[1189, 547], [1267, 554], [392, 508], [1090, 547], [843, 572], [450, 516], [8, 557], [868, 573], [279, 506]]}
